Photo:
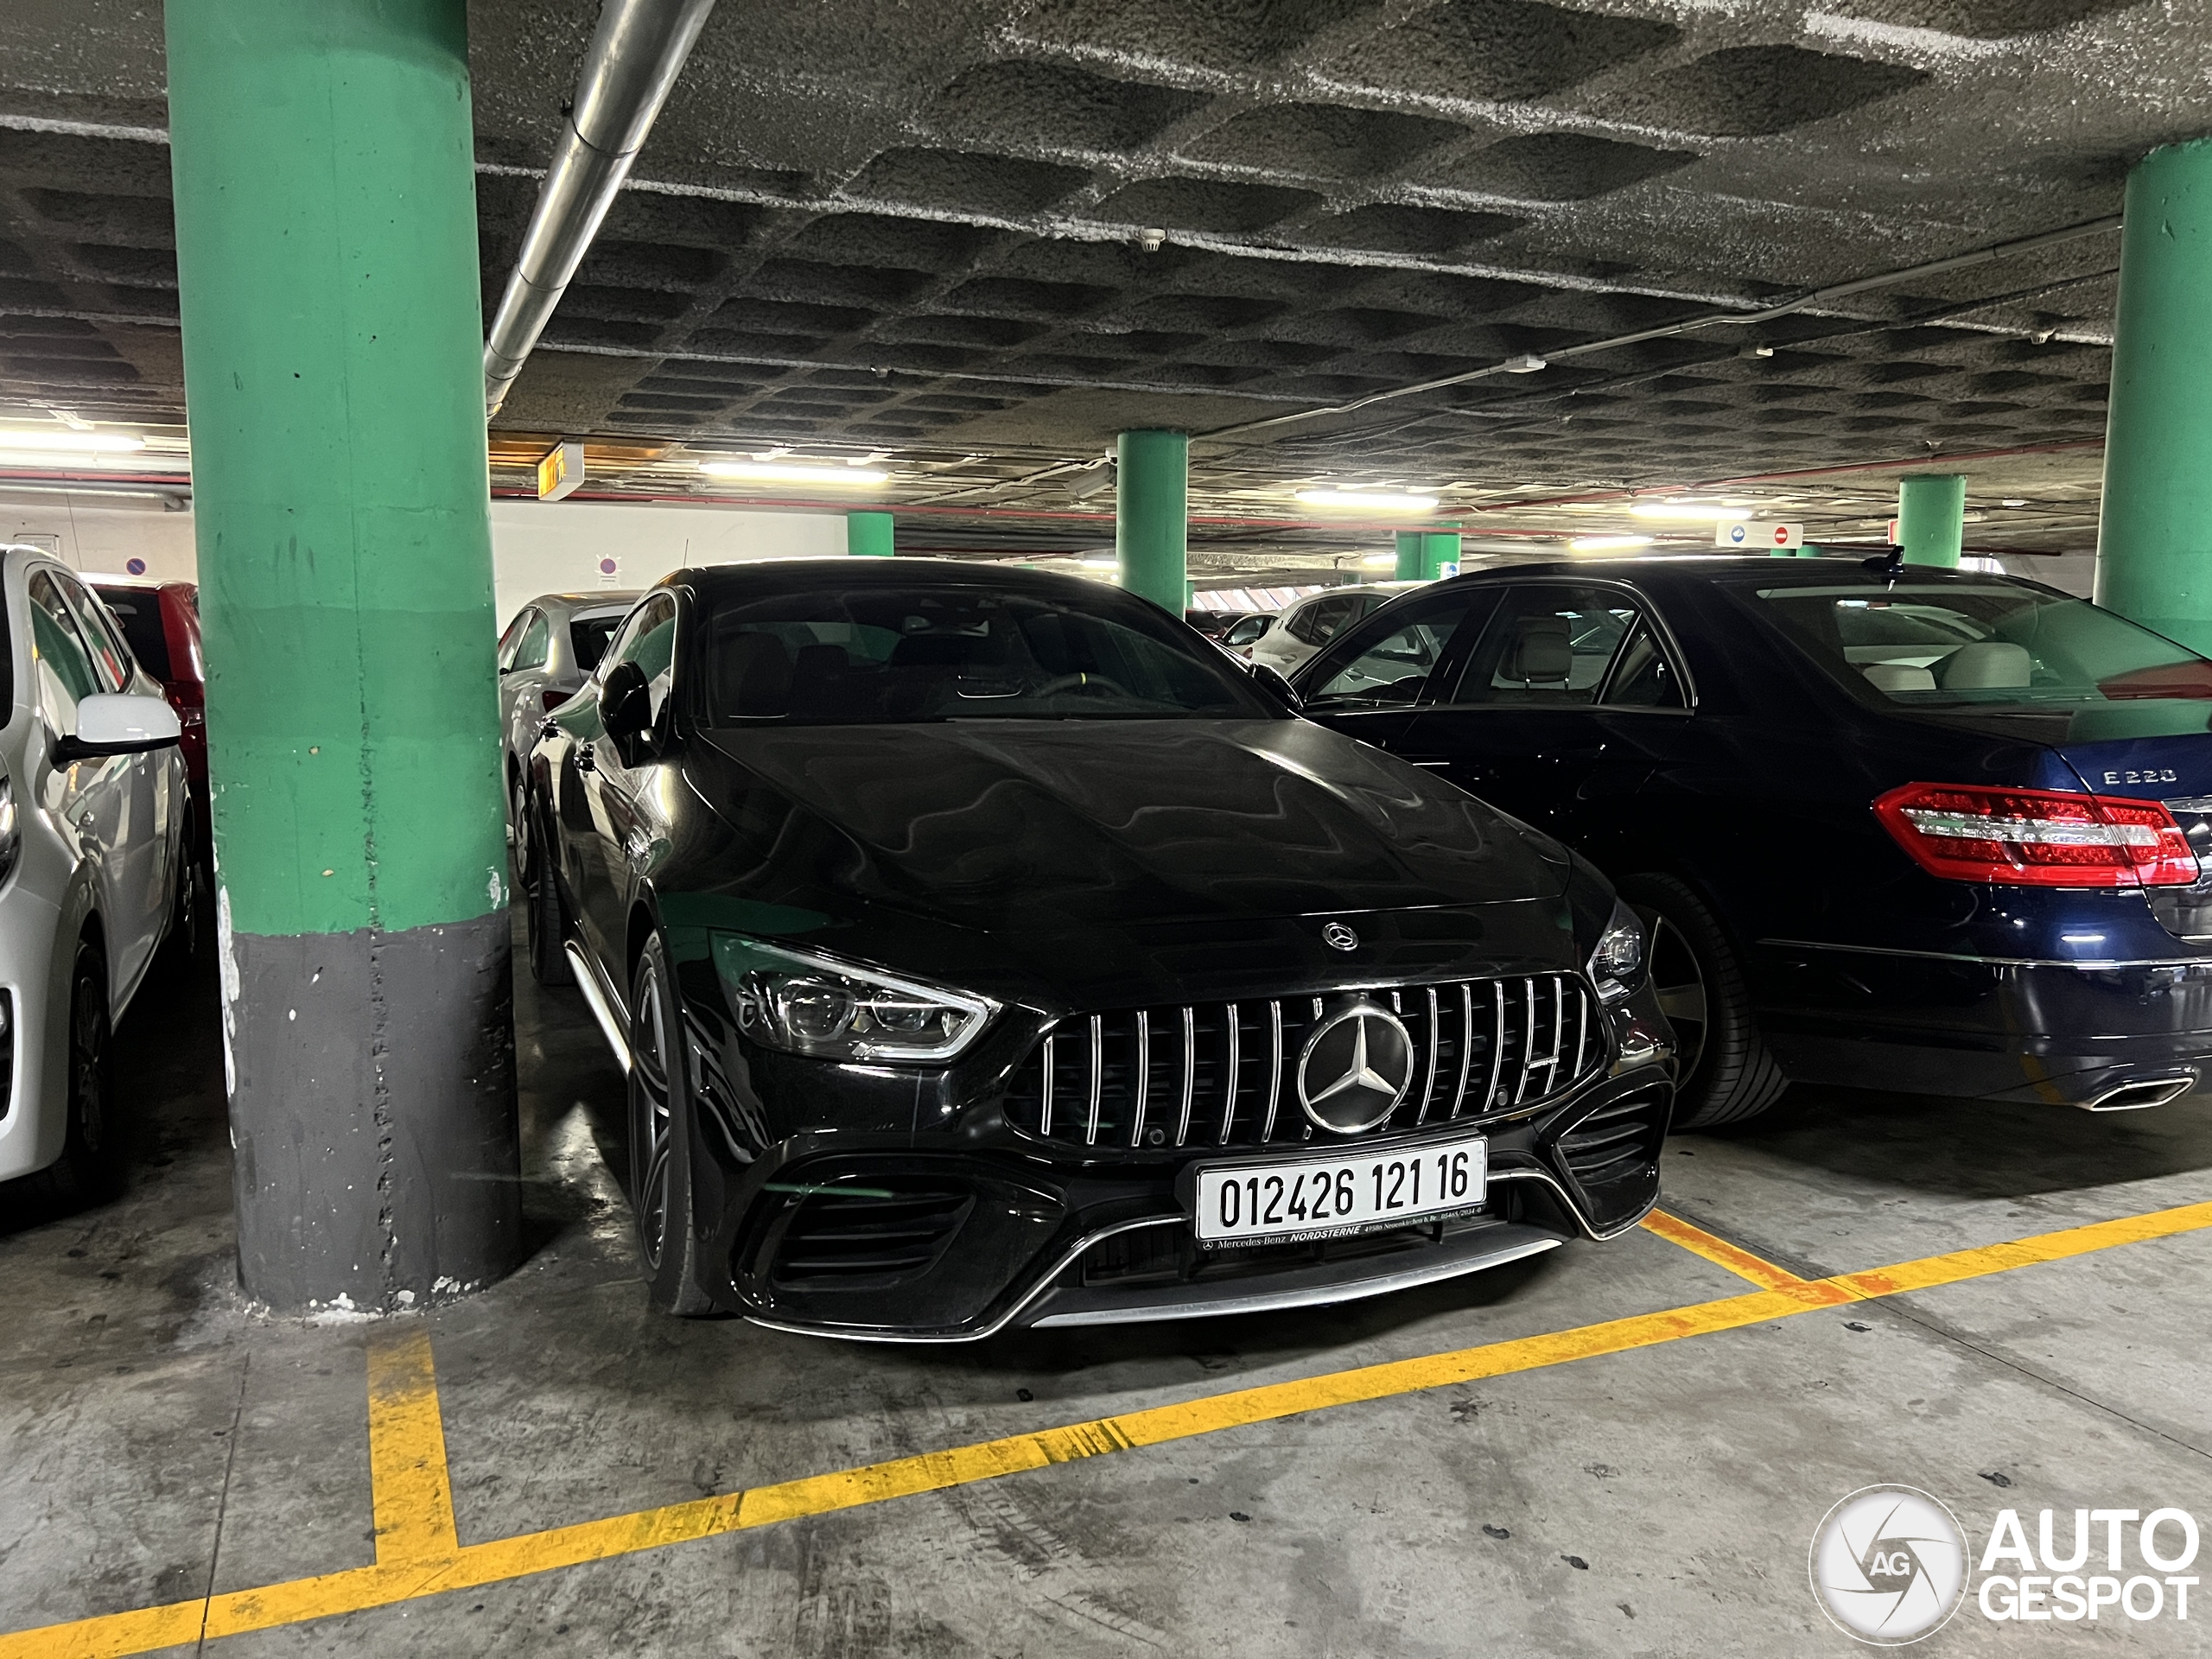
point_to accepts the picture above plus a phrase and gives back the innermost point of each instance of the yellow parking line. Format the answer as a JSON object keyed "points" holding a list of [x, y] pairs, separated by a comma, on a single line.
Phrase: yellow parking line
{"points": [[1721, 1252], [235, 1612], [407, 1479]]}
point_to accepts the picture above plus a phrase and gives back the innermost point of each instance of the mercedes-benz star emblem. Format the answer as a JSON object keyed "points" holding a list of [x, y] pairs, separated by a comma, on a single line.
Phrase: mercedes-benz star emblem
{"points": [[1338, 937], [1355, 1068]]}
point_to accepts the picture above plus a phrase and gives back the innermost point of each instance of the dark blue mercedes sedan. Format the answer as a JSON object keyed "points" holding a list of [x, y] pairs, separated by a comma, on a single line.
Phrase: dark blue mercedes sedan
{"points": [[1888, 827]]}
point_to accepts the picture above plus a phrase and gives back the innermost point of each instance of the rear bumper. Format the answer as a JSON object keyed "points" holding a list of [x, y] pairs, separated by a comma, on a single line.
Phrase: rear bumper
{"points": [[2056, 1033], [982, 1241]]}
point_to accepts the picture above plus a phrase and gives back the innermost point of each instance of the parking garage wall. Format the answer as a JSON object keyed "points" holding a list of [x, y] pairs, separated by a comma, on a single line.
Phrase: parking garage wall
{"points": [[537, 547]]}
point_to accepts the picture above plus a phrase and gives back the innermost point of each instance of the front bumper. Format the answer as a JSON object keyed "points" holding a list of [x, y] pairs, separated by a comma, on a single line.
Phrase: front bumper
{"points": [[956, 1242]]}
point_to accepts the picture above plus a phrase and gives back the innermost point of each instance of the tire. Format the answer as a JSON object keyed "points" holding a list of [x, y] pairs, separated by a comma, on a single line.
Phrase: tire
{"points": [[1727, 1074], [660, 1141], [91, 1165], [547, 922]]}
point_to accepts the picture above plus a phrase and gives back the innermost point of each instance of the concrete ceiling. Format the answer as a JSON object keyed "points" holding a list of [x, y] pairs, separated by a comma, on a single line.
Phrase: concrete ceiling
{"points": [[981, 238]]}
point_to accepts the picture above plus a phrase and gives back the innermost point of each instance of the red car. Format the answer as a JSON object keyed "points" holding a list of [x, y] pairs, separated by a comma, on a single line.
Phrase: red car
{"points": [[160, 623]]}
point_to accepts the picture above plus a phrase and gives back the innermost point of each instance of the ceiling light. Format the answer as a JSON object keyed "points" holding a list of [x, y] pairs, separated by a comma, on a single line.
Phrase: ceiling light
{"points": [[1101, 562], [1374, 500], [2013, 501], [1524, 363], [71, 419], [1380, 560], [1606, 543], [70, 442], [764, 472]]}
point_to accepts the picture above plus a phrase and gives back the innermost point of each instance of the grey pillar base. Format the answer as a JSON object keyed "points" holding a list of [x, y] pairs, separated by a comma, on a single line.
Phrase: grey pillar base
{"points": [[372, 1114]]}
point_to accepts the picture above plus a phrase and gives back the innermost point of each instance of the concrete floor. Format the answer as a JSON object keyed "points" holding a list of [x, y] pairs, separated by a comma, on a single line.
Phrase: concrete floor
{"points": [[163, 1440]]}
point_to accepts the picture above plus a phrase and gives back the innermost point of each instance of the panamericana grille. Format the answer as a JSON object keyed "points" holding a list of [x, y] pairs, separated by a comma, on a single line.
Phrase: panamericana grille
{"points": [[1617, 1141], [1219, 1074], [869, 1234]]}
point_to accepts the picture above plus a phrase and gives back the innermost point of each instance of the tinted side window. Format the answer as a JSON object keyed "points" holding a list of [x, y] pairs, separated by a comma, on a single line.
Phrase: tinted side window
{"points": [[110, 658], [1643, 678], [648, 639], [1386, 665], [63, 666], [536, 642], [1548, 644]]}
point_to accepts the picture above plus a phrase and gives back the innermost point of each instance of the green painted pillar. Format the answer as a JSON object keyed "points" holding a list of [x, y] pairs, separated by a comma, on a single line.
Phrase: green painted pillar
{"points": [[2154, 538], [1931, 518], [1151, 523], [1422, 553], [1411, 551], [868, 535], [326, 227]]}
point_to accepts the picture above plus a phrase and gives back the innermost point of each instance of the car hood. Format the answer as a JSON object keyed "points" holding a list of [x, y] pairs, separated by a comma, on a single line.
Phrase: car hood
{"points": [[1050, 827]]}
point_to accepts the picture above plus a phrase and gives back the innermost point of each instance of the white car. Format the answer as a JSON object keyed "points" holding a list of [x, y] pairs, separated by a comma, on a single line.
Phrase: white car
{"points": [[1284, 638], [95, 868]]}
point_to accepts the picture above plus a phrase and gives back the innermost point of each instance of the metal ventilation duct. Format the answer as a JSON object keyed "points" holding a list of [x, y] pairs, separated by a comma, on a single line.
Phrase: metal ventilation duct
{"points": [[635, 55]]}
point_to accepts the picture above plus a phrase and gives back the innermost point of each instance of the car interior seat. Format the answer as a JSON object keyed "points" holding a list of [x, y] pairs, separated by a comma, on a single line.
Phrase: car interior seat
{"points": [[1984, 666], [1543, 652]]}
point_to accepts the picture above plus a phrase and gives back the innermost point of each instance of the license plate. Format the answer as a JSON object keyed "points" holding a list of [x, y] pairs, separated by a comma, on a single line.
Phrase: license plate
{"points": [[1326, 1198]]}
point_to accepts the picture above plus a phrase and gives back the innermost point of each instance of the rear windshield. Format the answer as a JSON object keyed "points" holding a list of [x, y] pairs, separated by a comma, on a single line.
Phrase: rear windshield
{"points": [[140, 612], [1952, 645], [588, 637], [916, 653]]}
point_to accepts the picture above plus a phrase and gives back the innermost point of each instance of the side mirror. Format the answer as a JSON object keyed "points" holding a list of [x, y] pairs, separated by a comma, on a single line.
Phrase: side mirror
{"points": [[626, 705], [1272, 682], [118, 722]]}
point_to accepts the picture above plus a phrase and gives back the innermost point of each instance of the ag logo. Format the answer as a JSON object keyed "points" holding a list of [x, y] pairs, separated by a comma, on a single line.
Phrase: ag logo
{"points": [[1888, 1565], [1355, 1068]]}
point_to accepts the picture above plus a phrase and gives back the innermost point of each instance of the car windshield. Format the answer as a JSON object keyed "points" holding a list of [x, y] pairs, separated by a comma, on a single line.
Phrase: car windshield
{"points": [[880, 655], [588, 637], [1952, 645]]}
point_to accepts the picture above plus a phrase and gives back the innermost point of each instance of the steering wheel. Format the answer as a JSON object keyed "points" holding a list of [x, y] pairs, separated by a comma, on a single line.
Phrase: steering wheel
{"points": [[1069, 682]]}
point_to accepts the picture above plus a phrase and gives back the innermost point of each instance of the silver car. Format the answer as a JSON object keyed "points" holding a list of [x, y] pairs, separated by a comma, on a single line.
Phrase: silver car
{"points": [[1286, 638], [96, 867], [546, 654]]}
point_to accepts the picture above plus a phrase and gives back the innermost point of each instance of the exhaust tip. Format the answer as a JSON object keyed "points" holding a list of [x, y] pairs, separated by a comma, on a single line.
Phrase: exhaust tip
{"points": [[2142, 1092]]}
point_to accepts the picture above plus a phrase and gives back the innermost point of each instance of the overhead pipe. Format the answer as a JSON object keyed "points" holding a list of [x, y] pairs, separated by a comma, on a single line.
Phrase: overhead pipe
{"points": [[636, 54]]}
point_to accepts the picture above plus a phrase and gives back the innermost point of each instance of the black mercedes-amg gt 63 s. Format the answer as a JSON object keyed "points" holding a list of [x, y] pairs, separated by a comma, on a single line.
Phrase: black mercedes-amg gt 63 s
{"points": [[986, 950]]}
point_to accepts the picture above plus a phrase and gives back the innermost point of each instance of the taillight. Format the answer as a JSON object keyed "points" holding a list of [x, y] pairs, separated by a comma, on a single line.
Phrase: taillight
{"points": [[553, 699], [2037, 837]]}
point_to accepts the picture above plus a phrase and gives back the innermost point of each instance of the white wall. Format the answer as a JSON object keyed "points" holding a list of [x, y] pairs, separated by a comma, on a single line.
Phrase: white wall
{"points": [[540, 547], [537, 547]]}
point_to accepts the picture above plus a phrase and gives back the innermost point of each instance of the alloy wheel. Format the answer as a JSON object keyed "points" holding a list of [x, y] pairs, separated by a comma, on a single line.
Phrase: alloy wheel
{"points": [[652, 1123], [1679, 984]]}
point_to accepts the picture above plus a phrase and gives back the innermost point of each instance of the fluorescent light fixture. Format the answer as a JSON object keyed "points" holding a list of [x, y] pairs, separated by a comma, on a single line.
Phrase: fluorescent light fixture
{"points": [[2013, 501], [1100, 561], [1524, 363], [70, 442], [763, 472], [1370, 501], [1381, 560], [1606, 543]]}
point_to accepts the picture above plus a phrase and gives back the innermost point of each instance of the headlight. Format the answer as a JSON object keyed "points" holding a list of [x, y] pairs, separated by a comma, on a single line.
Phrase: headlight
{"points": [[1618, 963], [808, 1004]]}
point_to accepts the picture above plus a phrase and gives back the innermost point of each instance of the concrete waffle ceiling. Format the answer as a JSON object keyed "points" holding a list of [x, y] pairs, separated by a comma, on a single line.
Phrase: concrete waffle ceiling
{"points": [[981, 238]]}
